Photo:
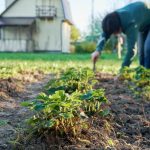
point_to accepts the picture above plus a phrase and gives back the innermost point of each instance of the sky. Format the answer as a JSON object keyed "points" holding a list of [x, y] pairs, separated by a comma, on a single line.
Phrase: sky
{"points": [[2, 5], [81, 10]]}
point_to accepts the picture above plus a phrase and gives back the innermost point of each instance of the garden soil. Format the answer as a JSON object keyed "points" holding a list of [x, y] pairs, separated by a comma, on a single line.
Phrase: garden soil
{"points": [[126, 128]]}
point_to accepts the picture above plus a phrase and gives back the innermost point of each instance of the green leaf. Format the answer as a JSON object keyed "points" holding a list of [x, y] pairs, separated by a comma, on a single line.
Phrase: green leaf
{"points": [[26, 104], [66, 104], [105, 112], [66, 115], [86, 96], [39, 107], [53, 90], [50, 123], [43, 97], [32, 121], [61, 93], [3, 122]]}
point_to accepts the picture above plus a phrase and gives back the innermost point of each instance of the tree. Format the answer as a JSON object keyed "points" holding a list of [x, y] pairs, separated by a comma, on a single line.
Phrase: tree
{"points": [[75, 34], [94, 29]]}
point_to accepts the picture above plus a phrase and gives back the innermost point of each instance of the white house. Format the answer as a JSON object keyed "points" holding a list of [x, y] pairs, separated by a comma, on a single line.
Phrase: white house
{"points": [[35, 25]]}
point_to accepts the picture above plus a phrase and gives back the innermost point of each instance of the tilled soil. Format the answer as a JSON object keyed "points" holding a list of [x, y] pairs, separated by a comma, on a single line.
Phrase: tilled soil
{"points": [[126, 128], [12, 115], [131, 115]]}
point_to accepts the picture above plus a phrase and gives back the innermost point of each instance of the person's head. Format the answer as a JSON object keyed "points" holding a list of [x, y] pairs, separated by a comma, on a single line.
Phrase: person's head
{"points": [[111, 24]]}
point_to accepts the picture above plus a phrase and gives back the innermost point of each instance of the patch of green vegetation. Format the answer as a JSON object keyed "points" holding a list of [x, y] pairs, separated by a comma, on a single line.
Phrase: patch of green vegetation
{"points": [[138, 80], [14, 64], [3, 122], [63, 106]]}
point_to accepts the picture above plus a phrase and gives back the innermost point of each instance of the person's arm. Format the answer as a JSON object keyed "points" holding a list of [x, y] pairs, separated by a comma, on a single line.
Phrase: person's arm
{"points": [[100, 46], [131, 40], [101, 43]]}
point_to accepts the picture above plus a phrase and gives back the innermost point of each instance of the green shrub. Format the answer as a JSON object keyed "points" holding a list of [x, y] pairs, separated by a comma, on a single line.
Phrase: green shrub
{"points": [[62, 109], [73, 80], [58, 112], [85, 47], [63, 113], [138, 80]]}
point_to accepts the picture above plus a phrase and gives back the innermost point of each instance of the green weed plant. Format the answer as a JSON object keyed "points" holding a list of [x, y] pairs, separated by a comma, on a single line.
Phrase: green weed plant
{"points": [[67, 103], [138, 80]]}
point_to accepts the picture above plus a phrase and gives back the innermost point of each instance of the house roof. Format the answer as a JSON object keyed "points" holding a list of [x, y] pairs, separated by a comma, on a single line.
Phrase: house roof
{"points": [[65, 5], [67, 11], [16, 21]]}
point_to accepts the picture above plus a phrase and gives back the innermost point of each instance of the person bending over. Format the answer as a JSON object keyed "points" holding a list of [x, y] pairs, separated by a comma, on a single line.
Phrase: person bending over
{"points": [[134, 21]]}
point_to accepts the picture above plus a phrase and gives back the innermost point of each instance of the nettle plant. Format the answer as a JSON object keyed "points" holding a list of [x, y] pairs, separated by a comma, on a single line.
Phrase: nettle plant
{"points": [[142, 77], [58, 112], [127, 74], [67, 103], [138, 80], [73, 80], [63, 113], [92, 101]]}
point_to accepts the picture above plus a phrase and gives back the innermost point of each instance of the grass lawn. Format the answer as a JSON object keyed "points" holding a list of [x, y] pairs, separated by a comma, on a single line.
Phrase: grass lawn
{"points": [[13, 63]]}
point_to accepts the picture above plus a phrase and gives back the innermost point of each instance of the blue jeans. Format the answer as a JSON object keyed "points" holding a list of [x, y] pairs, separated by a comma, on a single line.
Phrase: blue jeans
{"points": [[144, 49]]}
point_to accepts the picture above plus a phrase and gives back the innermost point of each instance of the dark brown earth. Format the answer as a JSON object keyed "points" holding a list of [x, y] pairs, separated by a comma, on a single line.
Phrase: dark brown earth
{"points": [[131, 115], [126, 128], [12, 115]]}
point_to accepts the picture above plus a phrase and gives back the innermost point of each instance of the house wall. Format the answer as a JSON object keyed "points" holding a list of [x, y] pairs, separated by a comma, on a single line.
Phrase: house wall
{"points": [[22, 8], [66, 29], [15, 39], [13, 46], [16, 33], [48, 34]]}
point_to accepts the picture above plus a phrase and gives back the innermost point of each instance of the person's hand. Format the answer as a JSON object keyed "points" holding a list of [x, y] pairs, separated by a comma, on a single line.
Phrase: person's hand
{"points": [[95, 56]]}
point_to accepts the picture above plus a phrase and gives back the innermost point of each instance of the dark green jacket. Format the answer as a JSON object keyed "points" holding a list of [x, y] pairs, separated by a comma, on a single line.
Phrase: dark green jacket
{"points": [[134, 18]]}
